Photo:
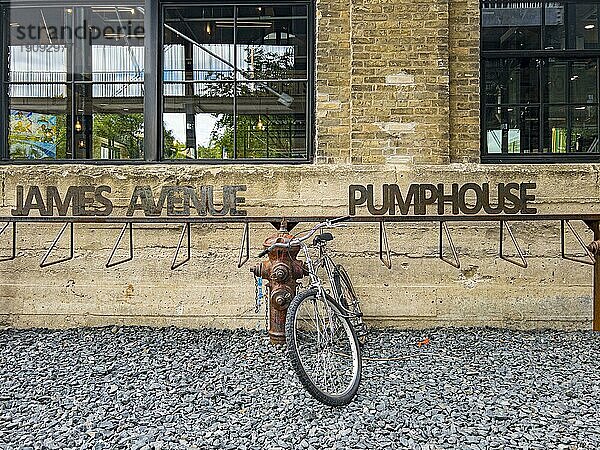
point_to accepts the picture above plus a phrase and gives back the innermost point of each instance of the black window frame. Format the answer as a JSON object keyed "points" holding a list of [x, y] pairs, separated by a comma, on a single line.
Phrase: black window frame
{"points": [[153, 92], [542, 55]]}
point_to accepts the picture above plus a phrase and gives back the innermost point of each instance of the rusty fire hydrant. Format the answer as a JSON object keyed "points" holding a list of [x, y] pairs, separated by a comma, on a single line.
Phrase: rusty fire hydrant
{"points": [[594, 248], [282, 271]]}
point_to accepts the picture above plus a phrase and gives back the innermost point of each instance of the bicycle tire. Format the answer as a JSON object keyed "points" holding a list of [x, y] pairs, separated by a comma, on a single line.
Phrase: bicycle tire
{"points": [[350, 301], [340, 344]]}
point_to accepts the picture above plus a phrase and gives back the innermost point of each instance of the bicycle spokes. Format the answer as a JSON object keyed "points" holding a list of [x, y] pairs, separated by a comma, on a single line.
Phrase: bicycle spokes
{"points": [[324, 347]]}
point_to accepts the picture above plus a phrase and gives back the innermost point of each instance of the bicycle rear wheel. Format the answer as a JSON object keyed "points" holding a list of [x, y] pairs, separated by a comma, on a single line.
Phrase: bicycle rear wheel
{"points": [[323, 349]]}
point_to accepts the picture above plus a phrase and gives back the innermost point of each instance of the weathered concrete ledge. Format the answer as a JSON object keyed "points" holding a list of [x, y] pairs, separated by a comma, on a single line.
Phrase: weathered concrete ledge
{"points": [[419, 291]]}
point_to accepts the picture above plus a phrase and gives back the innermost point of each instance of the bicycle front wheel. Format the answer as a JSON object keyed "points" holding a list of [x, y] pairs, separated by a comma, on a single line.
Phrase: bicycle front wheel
{"points": [[323, 348], [349, 300]]}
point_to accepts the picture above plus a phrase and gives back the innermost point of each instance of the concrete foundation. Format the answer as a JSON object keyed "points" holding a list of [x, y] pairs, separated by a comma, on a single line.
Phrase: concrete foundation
{"points": [[419, 290]]}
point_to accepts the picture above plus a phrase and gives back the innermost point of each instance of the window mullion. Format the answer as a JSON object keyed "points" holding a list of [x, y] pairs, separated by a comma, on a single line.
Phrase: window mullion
{"points": [[541, 102], [597, 108], [235, 78], [152, 81], [4, 107], [569, 109]]}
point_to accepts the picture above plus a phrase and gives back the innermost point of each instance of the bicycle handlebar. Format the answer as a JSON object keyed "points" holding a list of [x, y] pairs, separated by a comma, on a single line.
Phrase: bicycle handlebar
{"points": [[298, 240]]}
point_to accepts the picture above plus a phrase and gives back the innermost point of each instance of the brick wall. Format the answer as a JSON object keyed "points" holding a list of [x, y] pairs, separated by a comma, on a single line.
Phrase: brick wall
{"points": [[464, 80], [395, 79]]}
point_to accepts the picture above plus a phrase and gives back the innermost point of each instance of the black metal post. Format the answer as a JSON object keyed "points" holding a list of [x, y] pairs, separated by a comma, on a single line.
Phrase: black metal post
{"points": [[190, 114], [82, 118], [152, 81], [596, 314], [4, 105]]}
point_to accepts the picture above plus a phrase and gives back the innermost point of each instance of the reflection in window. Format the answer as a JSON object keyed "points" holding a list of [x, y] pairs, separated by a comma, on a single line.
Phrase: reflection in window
{"points": [[544, 102], [512, 80], [571, 26], [566, 110], [75, 82], [235, 82], [511, 26], [523, 25], [584, 129], [512, 130]]}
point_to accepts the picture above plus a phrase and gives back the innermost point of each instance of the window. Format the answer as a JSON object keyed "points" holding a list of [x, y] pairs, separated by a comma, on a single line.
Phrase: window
{"points": [[73, 82], [79, 81], [540, 81], [236, 82]]}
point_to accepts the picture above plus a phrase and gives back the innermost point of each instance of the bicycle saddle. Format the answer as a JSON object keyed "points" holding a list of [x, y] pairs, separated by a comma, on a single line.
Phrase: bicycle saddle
{"points": [[323, 237]]}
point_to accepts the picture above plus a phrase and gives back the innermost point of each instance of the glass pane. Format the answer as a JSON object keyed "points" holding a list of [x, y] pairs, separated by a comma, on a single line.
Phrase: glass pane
{"points": [[583, 81], [571, 26], [526, 123], [272, 42], [584, 129], [37, 122], [555, 129], [554, 15], [83, 65], [108, 123], [511, 80], [582, 26], [269, 117], [37, 48], [494, 130], [512, 129], [271, 120], [199, 124], [198, 43], [507, 26], [555, 78]]}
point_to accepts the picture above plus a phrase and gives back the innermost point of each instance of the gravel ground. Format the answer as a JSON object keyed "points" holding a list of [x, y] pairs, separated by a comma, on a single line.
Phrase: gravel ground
{"points": [[141, 388]]}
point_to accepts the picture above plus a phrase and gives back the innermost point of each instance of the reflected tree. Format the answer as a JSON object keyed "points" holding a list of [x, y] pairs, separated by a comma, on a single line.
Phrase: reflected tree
{"points": [[259, 135]]}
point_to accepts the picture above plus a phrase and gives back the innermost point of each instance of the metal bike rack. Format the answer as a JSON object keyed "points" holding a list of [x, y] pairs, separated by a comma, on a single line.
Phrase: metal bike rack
{"points": [[110, 263], [384, 246], [523, 262], [14, 241], [385, 251], [446, 231], [185, 231], [591, 261], [244, 247], [44, 263], [288, 223]]}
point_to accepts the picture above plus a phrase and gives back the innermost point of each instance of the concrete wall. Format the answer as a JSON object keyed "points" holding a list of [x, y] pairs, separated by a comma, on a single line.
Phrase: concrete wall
{"points": [[420, 290], [397, 102]]}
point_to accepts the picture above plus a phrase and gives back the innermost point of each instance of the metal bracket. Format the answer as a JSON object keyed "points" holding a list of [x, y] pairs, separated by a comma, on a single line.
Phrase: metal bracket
{"points": [[245, 246], [14, 241], [456, 262], [523, 262], [43, 262], [186, 230], [591, 260], [110, 263], [384, 245]]}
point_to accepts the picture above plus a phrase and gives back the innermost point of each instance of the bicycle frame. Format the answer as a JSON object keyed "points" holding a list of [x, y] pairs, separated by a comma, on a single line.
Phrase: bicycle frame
{"points": [[314, 264], [325, 261]]}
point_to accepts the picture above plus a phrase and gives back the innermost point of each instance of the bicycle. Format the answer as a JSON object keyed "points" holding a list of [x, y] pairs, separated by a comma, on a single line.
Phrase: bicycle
{"points": [[324, 330]]}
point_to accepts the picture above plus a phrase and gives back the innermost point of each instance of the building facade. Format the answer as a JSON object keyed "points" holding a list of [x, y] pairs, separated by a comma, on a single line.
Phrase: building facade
{"points": [[296, 101]]}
